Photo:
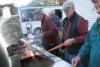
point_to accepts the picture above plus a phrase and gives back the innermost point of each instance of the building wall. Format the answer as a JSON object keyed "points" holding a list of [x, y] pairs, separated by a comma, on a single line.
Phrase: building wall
{"points": [[85, 8]]}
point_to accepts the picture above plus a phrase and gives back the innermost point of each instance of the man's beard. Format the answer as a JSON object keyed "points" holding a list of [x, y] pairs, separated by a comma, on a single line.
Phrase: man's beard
{"points": [[98, 20]]}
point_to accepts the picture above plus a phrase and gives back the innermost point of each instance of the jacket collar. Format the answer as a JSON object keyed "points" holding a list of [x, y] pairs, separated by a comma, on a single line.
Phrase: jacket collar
{"points": [[72, 17]]}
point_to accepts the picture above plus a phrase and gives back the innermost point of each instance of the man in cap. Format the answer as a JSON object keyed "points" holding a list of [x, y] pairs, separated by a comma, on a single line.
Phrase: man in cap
{"points": [[91, 47], [75, 30]]}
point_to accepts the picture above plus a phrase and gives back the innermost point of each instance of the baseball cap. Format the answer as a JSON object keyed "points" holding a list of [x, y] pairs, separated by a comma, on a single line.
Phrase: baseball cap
{"points": [[67, 4]]}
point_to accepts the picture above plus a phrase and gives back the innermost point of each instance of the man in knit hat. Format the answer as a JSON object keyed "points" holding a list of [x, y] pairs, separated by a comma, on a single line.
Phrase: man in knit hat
{"points": [[75, 30]]}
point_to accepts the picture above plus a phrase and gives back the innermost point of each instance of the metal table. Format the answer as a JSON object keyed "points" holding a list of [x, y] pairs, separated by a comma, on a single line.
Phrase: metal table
{"points": [[58, 62]]}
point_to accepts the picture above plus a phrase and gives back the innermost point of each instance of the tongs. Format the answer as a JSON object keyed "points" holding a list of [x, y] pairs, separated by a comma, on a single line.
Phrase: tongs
{"points": [[57, 47]]}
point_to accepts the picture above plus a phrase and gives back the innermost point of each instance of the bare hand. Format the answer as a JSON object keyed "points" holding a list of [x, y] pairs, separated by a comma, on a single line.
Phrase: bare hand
{"points": [[75, 61], [41, 34], [68, 42]]}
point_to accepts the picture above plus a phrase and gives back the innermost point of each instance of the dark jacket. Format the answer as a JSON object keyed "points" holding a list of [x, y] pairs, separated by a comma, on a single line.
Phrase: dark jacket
{"points": [[57, 21], [75, 27]]}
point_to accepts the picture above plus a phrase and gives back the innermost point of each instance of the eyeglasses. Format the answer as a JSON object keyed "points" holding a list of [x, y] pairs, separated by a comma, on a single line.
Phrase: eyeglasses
{"points": [[97, 7]]}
